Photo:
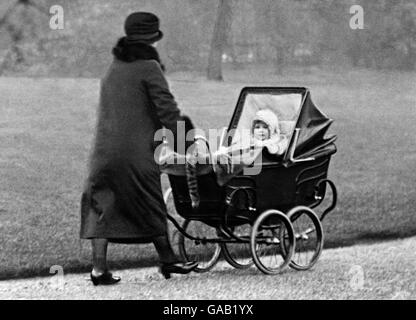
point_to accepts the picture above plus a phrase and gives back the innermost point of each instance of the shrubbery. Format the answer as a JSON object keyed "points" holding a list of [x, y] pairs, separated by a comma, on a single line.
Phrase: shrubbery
{"points": [[262, 31]]}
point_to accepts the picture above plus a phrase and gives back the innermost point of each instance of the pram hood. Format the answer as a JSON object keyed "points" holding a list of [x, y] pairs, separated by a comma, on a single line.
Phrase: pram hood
{"points": [[307, 125]]}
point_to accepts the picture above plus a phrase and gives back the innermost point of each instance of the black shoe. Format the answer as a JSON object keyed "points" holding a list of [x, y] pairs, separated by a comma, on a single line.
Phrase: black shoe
{"points": [[179, 267], [105, 279]]}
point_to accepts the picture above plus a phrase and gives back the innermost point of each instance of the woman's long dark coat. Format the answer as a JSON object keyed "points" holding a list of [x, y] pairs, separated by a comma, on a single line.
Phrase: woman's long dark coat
{"points": [[122, 200]]}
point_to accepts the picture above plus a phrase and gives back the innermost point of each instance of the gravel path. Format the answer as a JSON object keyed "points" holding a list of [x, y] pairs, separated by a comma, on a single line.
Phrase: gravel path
{"points": [[375, 271]]}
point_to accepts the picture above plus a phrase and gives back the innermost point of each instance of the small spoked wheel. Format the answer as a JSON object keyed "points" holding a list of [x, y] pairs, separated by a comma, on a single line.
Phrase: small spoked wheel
{"points": [[308, 235], [238, 254], [266, 242], [205, 253]]}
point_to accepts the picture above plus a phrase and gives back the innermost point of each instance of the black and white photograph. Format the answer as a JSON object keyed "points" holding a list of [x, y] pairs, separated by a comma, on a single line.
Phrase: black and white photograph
{"points": [[230, 151]]}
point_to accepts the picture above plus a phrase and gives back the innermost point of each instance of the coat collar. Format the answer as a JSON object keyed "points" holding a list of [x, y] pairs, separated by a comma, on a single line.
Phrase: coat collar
{"points": [[132, 52]]}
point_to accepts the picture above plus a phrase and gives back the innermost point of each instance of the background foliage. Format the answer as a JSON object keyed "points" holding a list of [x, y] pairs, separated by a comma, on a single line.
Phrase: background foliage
{"points": [[280, 33]]}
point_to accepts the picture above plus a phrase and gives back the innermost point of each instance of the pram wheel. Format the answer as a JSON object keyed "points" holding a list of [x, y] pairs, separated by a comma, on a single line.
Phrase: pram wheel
{"points": [[205, 253], [239, 255], [266, 242], [308, 235]]}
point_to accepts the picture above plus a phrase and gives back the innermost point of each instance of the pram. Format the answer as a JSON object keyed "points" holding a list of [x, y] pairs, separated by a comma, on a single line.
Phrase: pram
{"points": [[263, 212]]}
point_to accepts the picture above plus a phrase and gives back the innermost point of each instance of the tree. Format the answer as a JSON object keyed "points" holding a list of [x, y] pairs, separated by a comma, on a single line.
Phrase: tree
{"points": [[407, 34], [21, 10], [221, 30], [278, 22]]}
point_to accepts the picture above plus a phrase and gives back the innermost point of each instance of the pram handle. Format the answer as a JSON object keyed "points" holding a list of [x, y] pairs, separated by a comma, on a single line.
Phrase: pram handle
{"points": [[210, 155], [201, 137]]}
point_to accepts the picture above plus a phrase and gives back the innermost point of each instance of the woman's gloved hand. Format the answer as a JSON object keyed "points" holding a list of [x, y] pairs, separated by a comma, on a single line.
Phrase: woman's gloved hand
{"points": [[221, 156]]}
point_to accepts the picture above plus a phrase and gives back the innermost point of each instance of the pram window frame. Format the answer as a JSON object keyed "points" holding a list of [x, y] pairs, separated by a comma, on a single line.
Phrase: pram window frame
{"points": [[235, 119]]}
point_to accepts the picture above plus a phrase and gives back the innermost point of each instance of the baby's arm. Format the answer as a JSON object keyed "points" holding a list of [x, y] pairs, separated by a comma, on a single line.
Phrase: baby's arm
{"points": [[283, 144], [276, 145]]}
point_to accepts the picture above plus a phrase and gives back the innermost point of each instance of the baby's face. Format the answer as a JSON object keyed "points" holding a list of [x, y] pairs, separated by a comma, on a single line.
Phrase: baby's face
{"points": [[261, 131]]}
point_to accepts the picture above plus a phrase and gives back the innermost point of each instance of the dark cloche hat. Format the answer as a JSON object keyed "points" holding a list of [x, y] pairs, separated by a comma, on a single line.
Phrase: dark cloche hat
{"points": [[142, 27]]}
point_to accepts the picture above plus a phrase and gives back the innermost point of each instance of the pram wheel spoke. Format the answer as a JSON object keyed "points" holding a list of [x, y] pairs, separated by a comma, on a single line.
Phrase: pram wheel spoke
{"points": [[204, 252], [309, 237], [270, 233]]}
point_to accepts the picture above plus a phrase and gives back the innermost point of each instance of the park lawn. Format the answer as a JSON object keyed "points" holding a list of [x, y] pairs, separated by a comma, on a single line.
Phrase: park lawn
{"points": [[46, 129], [382, 271]]}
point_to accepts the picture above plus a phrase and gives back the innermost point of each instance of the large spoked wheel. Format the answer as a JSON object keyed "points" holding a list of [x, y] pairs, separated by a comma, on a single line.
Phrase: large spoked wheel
{"points": [[308, 235], [238, 254], [205, 253], [266, 244]]}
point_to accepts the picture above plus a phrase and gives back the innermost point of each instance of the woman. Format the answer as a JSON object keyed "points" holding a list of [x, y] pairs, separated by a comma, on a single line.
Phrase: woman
{"points": [[122, 200]]}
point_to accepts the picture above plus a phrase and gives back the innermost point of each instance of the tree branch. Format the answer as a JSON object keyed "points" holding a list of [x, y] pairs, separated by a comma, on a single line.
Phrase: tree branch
{"points": [[8, 13], [35, 5]]}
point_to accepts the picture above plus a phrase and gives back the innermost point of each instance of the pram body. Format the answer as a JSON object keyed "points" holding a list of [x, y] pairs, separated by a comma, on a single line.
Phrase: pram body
{"points": [[268, 196]]}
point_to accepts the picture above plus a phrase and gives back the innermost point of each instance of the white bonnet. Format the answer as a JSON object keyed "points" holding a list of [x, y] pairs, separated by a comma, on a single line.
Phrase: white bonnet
{"points": [[270, 118]]}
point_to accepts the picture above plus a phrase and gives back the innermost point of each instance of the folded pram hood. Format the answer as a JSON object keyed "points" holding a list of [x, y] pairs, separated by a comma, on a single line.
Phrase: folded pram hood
{"points": [[313, 124]]}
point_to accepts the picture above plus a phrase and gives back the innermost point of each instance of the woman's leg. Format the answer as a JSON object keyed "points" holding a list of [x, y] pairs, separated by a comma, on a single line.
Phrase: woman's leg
{"points": [[99, 256], [100, 274], [170, 263], [164, 249]]}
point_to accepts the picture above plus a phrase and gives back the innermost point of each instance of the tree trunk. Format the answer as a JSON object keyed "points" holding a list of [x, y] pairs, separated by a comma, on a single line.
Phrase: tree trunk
{"points": [[221, 29], [410, 57], [279, 61]]}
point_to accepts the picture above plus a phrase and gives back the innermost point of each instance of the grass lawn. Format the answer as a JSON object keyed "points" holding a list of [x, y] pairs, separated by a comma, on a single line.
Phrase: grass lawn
{"points": [[370, 271], [46, 128]]}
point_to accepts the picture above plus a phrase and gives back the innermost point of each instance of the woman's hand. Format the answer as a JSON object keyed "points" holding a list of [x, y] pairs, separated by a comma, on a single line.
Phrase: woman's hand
{"points": [[221, 156]]}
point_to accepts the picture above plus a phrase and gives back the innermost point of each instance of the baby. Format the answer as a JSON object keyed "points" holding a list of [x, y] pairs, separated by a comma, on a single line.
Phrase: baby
{"points": [[266, 133]]}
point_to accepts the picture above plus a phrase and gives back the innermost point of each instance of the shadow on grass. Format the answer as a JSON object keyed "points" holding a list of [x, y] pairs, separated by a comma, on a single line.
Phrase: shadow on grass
{"points": [[146, 262], [77, 267], [368, 238]]}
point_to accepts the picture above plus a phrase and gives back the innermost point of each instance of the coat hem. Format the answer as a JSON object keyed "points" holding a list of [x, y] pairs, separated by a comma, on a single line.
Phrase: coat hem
{"points": [[124, 239]]}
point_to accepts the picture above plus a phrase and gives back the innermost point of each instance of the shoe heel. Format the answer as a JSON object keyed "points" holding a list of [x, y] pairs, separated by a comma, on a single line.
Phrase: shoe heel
{"points": [[104, 279], [94, 280], [164, 272]]}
